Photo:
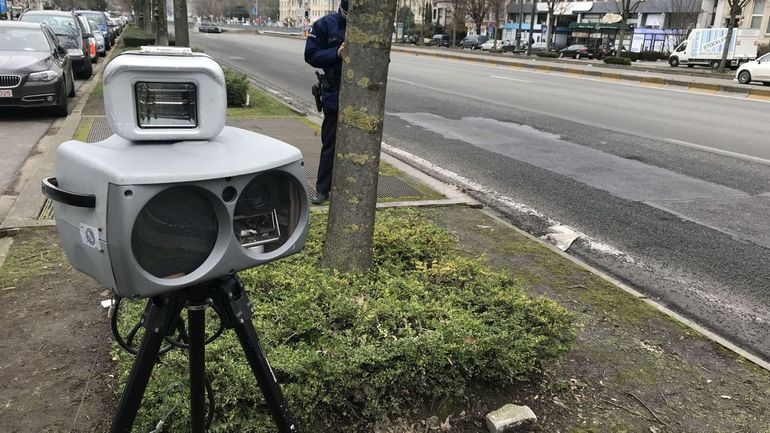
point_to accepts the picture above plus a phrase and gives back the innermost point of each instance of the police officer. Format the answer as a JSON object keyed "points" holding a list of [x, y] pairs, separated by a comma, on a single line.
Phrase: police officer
{"points": [[324, 49]]}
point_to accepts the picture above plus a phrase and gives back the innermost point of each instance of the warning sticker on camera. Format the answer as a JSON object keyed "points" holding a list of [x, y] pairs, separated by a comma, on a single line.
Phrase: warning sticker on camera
{"points": [[90, 236]]}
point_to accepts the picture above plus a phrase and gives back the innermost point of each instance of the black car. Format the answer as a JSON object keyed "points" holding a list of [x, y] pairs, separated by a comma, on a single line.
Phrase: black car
{"points": [[473, 42], [440, 41], [411, 39], [576, 52], [35, 71], [71, 35], [206, 27]]}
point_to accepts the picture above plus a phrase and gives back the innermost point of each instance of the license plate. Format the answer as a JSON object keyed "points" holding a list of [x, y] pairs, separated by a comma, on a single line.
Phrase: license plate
{"points": [[6, 93]]}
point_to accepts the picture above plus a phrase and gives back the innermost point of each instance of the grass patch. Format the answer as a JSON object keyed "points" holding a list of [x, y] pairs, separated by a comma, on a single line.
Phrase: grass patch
{"points": [[426, 323], [83, 129], [30, 257], [261, 105], [95, 103]]}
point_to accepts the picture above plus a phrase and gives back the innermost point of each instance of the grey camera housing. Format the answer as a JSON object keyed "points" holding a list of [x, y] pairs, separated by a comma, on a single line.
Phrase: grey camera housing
{"points": [[120, 177], [166, 65]]}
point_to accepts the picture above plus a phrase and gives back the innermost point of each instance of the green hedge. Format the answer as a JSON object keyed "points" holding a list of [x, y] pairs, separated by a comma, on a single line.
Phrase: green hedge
{"points": [[617, 61], [237, 86], [548, 54], [425, 324], [134, 37]]}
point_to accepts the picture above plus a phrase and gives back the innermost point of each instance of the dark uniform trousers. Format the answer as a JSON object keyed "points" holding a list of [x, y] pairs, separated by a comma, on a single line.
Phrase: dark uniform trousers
{"points": [[328, 139]]}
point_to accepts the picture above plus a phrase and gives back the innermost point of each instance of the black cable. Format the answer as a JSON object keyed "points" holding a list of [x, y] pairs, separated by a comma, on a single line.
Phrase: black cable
{"points": [[180, 342]]}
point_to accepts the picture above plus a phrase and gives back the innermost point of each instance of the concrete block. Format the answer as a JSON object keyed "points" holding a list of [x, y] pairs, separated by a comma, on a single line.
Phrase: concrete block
{"points": [[509, 418]]}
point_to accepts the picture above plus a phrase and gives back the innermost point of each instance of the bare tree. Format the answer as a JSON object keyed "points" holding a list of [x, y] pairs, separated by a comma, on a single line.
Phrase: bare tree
{"points": [[625, 8], [477, 10], [683, 18], [498, 8], [181, 31], [736, 6], [350, 229], [458, 11], [551, 5]]}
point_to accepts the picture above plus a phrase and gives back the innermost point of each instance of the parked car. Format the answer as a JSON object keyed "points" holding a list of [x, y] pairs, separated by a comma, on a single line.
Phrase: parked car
{"points": [[70, 34], [207, 27], [576, 51], [488, 45], [539, 47], [101, 22], [410, 39], [440, 41], [93, 50], [473, 42], [36, 71], [101, 40], [755, 70]]}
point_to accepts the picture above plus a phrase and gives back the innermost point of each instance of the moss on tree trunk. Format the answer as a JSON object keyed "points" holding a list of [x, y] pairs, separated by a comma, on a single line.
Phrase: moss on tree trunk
{"points": [[348, 243]]}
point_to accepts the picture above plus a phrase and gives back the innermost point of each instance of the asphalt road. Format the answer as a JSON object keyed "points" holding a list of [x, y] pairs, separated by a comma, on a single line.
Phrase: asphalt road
{"points": [[669, 189]]}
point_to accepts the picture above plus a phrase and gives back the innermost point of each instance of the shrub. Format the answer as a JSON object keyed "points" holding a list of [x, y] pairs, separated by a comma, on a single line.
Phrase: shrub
{"points": [[630, 55], [617, 61], [135, 37], [548, 54], [652, 56], [425, 323], [237, 86]]}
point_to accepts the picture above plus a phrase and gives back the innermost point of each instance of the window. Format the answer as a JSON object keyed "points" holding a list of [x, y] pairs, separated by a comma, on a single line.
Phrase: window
{"points": [[756, 14]]}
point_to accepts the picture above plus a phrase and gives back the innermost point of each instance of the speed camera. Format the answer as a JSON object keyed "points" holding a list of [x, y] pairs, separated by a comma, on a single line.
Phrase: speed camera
{"points": [[174, 198]]}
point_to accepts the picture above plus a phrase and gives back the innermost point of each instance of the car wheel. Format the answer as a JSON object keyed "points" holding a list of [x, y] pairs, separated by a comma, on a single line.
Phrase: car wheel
{"points": [[744, 77], [715, 64], [60, 110], [673, 62], [86, 72], [578, 56], [561, 55], [72, 91]]}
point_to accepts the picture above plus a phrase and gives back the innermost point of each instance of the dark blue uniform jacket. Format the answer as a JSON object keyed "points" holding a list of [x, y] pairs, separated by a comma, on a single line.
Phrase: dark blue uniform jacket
{"points": [[326, 36]]}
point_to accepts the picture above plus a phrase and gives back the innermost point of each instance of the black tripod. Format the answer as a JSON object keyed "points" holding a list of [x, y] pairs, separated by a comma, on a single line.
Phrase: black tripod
{"points": [[161, 317]]}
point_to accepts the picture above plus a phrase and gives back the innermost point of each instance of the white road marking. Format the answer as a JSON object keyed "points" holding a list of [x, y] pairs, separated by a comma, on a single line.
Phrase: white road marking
{"points": [[719, 151], [510, 79]]}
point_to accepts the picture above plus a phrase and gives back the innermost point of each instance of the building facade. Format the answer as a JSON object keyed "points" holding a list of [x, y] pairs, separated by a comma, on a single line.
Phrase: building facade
{"points": [[756, 15]]}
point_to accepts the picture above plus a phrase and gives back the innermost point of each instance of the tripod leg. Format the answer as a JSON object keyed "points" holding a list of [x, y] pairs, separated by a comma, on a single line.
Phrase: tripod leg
{"points": [[265, 377], [197, 354], [235, 312], [161, 315]]}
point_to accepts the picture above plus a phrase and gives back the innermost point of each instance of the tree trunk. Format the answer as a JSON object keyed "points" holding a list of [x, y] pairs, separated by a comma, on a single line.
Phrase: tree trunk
{"points": [[549, 33], [149, 21], [621, 36], [161, 25], [728, 38], [348, 243], [531, 29], [181, 31]]}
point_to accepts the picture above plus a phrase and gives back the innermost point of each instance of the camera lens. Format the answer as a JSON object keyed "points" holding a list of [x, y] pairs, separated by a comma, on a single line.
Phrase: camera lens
{"points": [[267, 211], [174, 232]]}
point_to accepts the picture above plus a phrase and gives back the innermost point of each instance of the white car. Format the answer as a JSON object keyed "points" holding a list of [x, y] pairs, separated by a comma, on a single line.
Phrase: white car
{"points": [[755, 70], [488, 45]]}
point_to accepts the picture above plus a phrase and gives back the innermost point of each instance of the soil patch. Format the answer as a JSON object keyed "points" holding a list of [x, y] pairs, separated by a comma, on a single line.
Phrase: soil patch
{"points": [[55, 367], [633, 369]]}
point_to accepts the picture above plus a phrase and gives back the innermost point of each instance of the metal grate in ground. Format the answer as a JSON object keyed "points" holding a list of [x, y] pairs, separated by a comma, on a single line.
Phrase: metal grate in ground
{"points": [[100, 130], [46, 213]]}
